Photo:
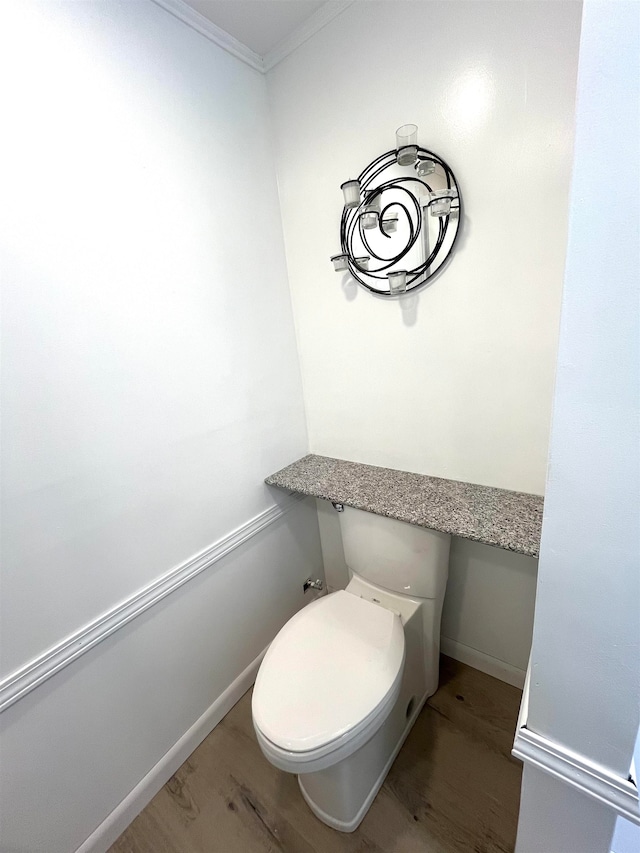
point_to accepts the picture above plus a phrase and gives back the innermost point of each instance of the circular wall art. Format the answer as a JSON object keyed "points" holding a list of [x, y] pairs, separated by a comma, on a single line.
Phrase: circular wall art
{"points": [[400, 220]]}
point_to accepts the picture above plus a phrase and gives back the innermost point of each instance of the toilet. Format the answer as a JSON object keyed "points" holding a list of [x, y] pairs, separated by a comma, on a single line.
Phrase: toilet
{"points": [[344, 680]]}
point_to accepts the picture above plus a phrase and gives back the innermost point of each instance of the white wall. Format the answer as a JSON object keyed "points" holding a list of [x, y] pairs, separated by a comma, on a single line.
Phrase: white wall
{"points": [[487, 618], [589, 586], [626, 836], [585, 682], [464, 392], [83, 753], [462, 386], [150, 382], [557, 819]]}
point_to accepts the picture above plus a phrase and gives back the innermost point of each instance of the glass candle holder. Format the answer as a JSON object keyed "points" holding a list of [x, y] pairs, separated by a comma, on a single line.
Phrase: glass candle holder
{"points": [[441, 202], [407, 144], [363, 262], [397, 281], [351, 191], [371, 211], [340, 262], [389, 223], [372, 201], [425, 167]]}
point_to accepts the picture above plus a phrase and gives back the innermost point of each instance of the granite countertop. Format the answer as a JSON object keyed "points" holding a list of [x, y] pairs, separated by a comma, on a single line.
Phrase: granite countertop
{"points": [[509, 520]]}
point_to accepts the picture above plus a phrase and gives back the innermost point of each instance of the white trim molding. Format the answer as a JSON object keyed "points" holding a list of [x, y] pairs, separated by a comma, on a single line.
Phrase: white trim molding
{"points": [[25, 679], [183, 12], [579, 772], [574, 769], [189, 16], [303, 33], [115, 823]]}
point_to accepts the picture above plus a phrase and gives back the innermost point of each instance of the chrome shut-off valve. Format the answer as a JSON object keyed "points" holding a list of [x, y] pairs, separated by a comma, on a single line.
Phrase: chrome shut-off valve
{"points": [[309, 584]]}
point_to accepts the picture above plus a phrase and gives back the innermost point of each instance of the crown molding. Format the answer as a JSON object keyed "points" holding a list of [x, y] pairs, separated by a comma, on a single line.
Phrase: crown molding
{"points": [[212, 32], [183, 12], [303, 33]]}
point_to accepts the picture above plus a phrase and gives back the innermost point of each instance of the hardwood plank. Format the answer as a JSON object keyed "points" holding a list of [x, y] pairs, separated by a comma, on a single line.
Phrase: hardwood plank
{"points": [[453, 788]]}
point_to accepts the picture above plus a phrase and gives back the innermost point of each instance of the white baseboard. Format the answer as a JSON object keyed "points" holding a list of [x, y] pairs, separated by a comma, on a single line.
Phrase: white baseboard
{"points": [[485, 663], [114, 825]]}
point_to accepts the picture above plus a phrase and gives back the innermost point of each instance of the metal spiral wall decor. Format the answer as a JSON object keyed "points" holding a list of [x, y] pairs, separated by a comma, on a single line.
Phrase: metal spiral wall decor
{"points": [[401, 219]]}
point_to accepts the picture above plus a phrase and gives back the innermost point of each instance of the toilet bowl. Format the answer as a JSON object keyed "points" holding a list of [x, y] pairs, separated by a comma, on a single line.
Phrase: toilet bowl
{"points": [[344, 680]]}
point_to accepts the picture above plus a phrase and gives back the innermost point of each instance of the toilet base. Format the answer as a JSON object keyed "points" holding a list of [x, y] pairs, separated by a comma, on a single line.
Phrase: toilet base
{"points": [[341, 795]]}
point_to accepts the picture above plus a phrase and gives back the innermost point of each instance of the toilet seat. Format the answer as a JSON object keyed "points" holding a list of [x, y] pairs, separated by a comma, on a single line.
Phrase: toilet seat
{"points": [[328, 681], [331, 753]]}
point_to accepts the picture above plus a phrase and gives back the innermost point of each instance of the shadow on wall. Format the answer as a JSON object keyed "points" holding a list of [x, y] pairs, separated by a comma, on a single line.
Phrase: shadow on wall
{"points": [[349, 287], [409, 302], [490, 600]]}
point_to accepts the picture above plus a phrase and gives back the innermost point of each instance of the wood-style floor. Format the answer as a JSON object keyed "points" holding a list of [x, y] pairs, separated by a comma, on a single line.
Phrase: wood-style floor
{"points": [[454, 787]]}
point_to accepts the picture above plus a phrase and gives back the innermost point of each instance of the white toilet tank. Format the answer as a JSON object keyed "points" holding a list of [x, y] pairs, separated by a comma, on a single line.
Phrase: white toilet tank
{"points": [[392, 554]]}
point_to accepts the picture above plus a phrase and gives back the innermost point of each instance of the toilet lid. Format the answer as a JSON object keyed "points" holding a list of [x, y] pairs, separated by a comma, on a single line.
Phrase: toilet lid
{"points": [[330, 667]]}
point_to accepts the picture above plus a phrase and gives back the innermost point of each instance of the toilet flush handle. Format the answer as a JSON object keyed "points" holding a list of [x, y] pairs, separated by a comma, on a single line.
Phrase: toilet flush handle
{"points": [[309, 584]]}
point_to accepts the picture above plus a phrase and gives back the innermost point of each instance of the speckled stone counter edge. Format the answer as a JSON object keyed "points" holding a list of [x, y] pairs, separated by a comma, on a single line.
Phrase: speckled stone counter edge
{"points": [[504, 519]]}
